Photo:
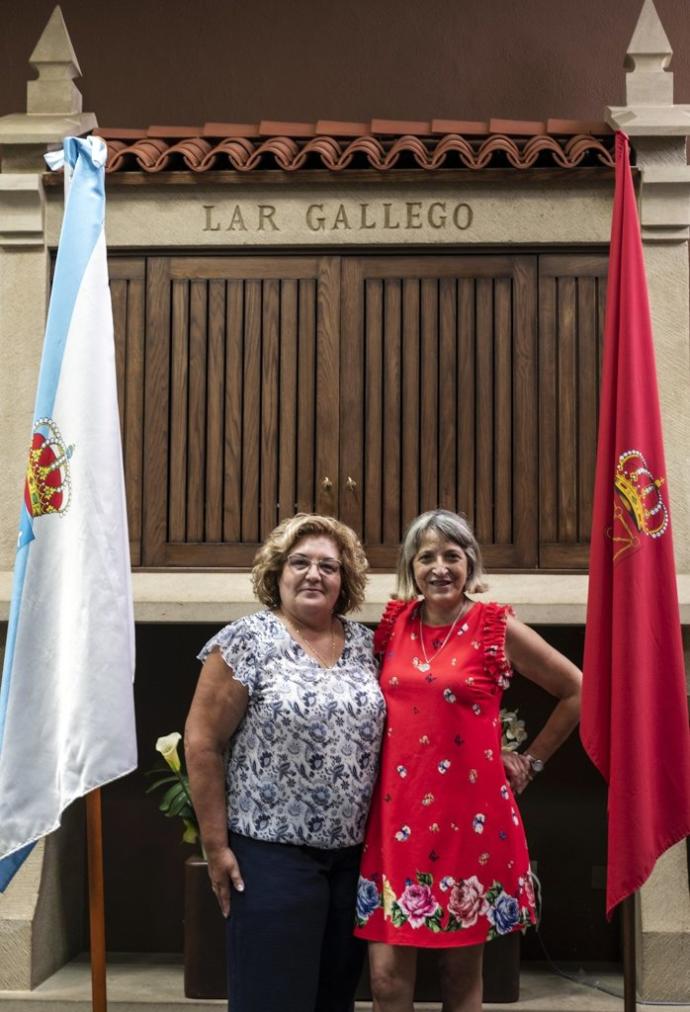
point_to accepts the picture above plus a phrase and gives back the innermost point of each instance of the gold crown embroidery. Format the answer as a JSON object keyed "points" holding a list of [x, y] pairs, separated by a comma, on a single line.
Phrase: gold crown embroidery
{"points": [[48, 484]]}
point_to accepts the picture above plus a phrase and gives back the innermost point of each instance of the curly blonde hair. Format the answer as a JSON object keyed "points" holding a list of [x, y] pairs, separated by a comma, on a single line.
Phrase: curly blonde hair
{"points": [[270, 559]]}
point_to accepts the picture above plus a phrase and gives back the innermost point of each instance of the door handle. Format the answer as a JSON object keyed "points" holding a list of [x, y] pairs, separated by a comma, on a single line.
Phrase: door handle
{"points": [[326, 483], [351, 483]]}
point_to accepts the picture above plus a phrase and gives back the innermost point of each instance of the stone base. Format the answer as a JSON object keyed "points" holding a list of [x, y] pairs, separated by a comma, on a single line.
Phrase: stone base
{"points": [[154, 983]]}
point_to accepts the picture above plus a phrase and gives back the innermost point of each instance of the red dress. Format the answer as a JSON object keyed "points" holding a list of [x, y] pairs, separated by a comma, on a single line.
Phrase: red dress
{"points": [[445, 860]]}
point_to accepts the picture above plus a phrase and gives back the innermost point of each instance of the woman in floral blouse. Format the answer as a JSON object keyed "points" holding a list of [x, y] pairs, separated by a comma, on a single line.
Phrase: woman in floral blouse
{"points": [[445, 861], [282, 742]]}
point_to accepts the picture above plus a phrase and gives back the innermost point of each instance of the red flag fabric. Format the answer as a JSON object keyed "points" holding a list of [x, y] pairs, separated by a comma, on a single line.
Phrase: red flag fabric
{"points": [[634, 708]]}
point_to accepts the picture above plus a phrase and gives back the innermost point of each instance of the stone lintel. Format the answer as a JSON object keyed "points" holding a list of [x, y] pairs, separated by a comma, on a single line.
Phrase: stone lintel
{"points": [[22, 209], [650, 120], [44, 129]]}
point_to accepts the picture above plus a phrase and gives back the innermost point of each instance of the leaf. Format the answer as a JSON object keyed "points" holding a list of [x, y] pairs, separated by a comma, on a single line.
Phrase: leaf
{"points": [[424, 878], [176, 791], [397, 916], [163, 780], [191, 833], [158, 768], [178, 805]]}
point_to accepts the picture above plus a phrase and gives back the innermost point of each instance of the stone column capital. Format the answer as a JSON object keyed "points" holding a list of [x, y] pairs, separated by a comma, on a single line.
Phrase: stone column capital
{"points": [[657, 129], [54, 104]]}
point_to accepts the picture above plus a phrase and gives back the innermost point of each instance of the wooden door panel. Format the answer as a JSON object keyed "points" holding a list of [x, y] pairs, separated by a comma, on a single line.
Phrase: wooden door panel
{"points": [[127, 289], [571, 314], [432, 352], [242, 403]]}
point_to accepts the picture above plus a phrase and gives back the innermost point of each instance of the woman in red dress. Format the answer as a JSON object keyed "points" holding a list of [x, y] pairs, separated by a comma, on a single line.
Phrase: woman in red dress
{"points": [[445, 860]]}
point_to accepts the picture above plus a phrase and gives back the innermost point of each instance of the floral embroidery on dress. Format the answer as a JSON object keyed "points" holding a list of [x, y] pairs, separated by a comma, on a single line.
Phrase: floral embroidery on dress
{"points": [[465, 901]]}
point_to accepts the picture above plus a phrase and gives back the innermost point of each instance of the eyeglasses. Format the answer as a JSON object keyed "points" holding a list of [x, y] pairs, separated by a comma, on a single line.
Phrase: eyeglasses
{"points": [[300, 564]]}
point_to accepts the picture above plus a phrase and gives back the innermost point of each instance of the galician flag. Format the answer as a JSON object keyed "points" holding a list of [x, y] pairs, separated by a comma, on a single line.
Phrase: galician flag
{"points": [[66, 701], [634, 709]]}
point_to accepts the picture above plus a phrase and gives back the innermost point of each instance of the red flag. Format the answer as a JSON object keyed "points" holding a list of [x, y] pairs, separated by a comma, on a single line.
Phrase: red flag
{"points": [[634, 708]]}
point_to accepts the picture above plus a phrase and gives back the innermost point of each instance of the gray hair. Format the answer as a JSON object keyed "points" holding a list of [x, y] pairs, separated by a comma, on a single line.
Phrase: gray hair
{"points": [[451, 527]]}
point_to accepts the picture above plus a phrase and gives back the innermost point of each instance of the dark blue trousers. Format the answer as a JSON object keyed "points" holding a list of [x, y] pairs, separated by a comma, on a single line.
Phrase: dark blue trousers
{"points": [[290, 941]]}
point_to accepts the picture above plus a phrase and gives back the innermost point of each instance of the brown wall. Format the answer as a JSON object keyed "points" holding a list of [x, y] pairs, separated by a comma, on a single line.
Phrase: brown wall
{"points": [[182, 62]]}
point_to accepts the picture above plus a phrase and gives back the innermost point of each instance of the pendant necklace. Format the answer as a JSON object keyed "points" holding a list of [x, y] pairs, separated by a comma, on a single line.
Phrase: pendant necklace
{"points": [[306, 643], [426, 664]]}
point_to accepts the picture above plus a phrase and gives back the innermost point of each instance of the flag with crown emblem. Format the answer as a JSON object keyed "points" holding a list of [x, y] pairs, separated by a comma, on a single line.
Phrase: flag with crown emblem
{"points": [[634, 706], [66, 700]]}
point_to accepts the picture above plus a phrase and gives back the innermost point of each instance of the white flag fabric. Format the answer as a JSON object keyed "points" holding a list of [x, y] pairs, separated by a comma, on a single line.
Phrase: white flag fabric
{"points": [[66, 701]]}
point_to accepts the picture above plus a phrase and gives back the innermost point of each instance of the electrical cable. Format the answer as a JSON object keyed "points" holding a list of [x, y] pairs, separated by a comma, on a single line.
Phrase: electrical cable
{"points": [[581, 976]]}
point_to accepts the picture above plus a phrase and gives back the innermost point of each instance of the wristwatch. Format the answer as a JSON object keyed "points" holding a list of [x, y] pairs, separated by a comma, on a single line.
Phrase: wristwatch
{"points": [[537, 765]]}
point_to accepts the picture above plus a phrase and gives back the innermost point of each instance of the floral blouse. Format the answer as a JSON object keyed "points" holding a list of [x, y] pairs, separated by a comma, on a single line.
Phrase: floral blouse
{"points": [[301, 766]]}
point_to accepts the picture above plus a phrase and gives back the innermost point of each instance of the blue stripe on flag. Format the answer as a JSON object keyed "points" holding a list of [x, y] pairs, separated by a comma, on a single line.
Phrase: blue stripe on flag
{"points": [[78, 236], [10, 865], [80, 230]]}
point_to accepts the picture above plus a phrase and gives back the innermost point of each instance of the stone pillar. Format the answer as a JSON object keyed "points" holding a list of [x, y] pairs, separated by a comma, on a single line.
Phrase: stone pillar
{"points": [[658, 130], [41, 911]]}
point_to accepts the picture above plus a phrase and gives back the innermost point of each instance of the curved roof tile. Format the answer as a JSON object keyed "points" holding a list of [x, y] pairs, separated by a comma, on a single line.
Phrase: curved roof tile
{"points": [[382, 145]]}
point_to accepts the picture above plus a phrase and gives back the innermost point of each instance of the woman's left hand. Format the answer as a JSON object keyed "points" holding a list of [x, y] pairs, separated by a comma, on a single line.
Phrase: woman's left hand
{"points": [[518, 771]]}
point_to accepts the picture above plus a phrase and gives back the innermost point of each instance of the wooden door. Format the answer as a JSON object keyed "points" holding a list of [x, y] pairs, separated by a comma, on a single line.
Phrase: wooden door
{"points": [[572, 293], [241, 413], [439, 399]]}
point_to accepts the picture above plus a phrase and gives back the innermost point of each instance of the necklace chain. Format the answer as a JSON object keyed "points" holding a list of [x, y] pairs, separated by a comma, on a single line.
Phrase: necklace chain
{"points": [[297, 629], [428, 660]]}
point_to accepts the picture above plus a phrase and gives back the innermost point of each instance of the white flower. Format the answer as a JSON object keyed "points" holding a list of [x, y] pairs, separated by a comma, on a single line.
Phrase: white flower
{"points": [[167, 746]]}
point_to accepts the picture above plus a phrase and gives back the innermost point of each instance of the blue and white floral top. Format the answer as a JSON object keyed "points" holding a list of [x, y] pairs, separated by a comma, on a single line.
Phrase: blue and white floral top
{"points": [[301, 766]]}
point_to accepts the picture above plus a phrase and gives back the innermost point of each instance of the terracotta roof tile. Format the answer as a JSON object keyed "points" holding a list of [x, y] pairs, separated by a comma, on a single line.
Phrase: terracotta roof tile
{"points": [[272, 128], [230, 130], [400, 126], [459, 126], [382, 146], [577, 126], [336, 128], [519, 127], [173, 132]]}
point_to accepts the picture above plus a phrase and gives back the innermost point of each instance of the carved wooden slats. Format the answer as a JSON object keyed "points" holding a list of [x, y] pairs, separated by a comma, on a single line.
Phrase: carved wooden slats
{"points": [[426, 415], [572, 294], [245, 354], [127, 286]]}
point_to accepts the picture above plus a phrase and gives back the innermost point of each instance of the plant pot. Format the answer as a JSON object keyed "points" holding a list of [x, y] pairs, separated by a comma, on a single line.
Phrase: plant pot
{"points": [[205, 972]]}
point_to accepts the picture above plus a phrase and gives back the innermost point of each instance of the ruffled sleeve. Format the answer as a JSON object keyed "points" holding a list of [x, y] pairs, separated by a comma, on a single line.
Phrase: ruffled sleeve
{"points": [[496, 663], [384, 630], [238, 645]]}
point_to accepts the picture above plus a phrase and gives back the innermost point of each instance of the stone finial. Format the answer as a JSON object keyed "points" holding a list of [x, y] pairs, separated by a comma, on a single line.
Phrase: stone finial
{"points": [[649, 54], [54, 105], [54, 58], [649, 84], [658, 131]]}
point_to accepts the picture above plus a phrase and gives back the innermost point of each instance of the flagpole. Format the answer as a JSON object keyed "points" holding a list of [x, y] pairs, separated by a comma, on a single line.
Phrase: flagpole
{"points": [[629, 954], [94, 841]]}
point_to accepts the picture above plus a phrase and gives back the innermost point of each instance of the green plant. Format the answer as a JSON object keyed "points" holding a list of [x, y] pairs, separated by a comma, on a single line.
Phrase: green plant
{"points": [[176, 801]]}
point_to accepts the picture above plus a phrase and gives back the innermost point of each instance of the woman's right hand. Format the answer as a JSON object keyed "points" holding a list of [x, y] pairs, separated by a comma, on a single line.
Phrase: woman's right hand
{"points": [[223, 870], [517, 769]]}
